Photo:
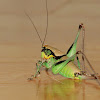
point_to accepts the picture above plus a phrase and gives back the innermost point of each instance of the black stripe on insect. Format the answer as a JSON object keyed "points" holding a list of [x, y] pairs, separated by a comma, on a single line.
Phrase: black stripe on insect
{"points": [[49, 52]]}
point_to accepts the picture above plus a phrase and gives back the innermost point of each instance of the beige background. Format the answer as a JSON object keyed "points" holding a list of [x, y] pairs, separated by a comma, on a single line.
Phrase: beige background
{"points": [[20, 47]]}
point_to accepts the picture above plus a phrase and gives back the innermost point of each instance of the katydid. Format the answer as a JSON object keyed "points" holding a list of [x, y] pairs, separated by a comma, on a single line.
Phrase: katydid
{"points": [[63, 63]]}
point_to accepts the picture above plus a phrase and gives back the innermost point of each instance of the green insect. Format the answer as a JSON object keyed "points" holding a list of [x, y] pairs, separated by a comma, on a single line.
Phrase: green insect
{"points": [[61, 63]]}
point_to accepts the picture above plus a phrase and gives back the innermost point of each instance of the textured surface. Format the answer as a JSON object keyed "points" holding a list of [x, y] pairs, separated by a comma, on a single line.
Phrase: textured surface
{"points": [[20, 47]]}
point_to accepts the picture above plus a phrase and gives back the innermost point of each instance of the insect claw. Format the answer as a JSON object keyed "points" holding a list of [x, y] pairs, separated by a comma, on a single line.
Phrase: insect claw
{"points": [[30, 79]]}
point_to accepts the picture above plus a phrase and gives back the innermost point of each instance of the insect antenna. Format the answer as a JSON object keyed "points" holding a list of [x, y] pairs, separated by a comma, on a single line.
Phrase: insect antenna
{"points": [[34, 26], [47, 23]]}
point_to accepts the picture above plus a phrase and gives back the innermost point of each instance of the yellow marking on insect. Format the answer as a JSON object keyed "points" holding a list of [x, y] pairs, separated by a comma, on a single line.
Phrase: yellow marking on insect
{"points": [[45, 56], [77, 78], [45, 45]]}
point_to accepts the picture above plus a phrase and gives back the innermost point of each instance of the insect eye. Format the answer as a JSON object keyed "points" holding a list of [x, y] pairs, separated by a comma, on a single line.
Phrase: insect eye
{"points": [[47, 52]]}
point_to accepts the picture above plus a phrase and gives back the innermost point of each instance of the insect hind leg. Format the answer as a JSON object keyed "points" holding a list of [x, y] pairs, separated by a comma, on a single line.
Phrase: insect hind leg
{"points": [[95, 75]]}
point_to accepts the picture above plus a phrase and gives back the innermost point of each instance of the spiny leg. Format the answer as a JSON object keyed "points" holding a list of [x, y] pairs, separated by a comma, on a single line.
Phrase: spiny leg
{"points": [[83, 49], [72, 50], [60, 67], [38, 65], [95, 74], [56, 68]]}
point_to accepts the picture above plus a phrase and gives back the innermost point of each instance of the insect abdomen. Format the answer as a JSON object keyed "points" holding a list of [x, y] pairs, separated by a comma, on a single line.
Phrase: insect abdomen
{"points": [[67, 72]]}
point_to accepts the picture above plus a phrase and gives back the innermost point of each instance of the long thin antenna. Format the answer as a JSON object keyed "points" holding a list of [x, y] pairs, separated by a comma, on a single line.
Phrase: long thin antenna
{"points": [[34, 26], [47, 23]]}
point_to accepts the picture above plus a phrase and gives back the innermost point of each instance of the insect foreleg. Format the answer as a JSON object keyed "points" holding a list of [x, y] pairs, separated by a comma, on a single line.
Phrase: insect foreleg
{"points": [[38, 65]]}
